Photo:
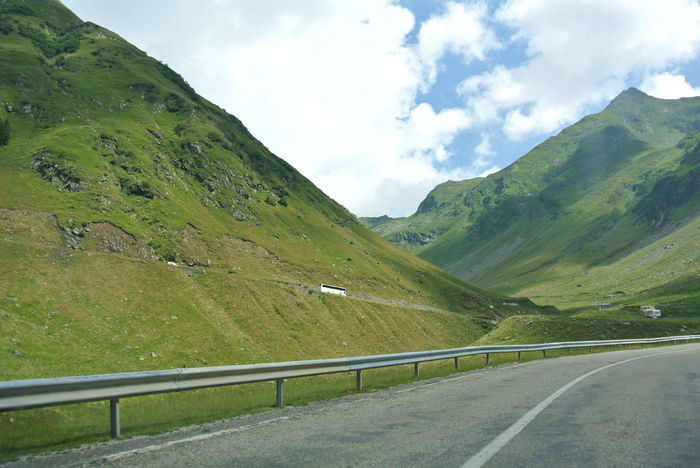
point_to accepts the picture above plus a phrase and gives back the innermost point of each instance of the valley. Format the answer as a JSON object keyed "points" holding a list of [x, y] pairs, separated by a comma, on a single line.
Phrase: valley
{"points": [[606, 212]]}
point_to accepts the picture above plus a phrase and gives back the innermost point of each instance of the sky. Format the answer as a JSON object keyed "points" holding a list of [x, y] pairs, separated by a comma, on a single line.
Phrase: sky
{"points": [[378, 101]]}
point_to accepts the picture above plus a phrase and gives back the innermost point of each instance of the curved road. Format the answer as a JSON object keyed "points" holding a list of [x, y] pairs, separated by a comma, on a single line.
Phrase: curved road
{"points": [[626, 408]]}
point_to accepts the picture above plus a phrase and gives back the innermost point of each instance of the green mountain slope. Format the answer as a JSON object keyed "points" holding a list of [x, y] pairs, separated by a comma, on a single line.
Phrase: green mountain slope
{"points": [[610, 205], [434, 217], [143, 227]]}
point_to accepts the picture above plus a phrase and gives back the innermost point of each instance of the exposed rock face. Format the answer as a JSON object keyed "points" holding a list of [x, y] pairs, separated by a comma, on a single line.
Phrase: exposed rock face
{"points": [[428, 204], [72, 237], [53, 168], [46, 229], [413, 238], [109, 238]]}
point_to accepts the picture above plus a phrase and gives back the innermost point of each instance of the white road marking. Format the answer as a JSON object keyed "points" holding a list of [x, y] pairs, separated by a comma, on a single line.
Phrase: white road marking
{"points": [[433, 383], [486, 453], [151, 448]]}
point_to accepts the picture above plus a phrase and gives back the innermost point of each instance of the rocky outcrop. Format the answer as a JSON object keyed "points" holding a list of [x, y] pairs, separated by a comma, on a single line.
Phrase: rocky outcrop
{"points": [[53, 168], [106, 237]]}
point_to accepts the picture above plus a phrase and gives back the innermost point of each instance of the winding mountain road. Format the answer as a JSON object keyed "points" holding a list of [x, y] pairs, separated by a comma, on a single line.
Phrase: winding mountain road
{"points": [[626, 408]]}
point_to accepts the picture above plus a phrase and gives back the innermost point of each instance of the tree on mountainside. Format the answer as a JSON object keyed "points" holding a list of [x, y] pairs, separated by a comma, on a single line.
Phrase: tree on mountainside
{"points": [[4, 132]]}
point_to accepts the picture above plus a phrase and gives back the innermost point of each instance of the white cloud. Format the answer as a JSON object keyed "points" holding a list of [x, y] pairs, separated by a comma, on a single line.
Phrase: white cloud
{"points": [[489, 171], [426, 133], [543, 116], [461, 29], [668, 86], [484, 147], [484, 153], [579, 54], [403, 168]]}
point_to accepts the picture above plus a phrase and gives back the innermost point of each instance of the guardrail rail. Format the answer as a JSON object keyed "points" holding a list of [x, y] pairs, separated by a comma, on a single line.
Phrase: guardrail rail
{"points": [[41, 393]]}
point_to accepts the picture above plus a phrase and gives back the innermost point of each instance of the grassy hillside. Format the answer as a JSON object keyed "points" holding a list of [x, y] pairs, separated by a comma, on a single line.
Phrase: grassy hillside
{"points": [[541, 329], [605, 212], [143, 227]]}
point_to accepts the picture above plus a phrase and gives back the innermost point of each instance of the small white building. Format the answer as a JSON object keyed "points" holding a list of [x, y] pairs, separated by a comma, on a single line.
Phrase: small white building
{"points": [[327, 288]]}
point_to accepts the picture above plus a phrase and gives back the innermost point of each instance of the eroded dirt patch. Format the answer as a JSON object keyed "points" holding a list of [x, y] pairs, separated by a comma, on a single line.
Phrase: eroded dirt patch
{"points": [[23, 225], [106, 237]]}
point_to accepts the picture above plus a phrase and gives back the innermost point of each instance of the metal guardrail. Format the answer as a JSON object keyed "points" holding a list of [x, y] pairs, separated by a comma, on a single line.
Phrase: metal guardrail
{"points": [[40, 393]]}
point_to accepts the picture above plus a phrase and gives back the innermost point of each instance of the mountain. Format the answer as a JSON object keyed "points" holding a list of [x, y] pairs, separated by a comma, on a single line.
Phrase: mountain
{"points": [[606, 211], [373, 222], [143, 227], [434, 217]]}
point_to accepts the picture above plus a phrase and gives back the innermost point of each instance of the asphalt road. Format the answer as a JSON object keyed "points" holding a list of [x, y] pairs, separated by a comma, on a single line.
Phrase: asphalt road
{"points": [[626, 408]]}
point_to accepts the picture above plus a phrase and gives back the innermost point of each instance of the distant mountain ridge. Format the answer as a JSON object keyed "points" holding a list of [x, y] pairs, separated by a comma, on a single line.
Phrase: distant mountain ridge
{"points": [[566, 220]]}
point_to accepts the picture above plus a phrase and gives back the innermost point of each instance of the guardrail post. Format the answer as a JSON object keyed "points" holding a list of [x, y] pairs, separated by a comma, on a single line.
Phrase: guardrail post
{"points": [[518, 355], [115, 427], [415, 370], [359, 379], [569, 351], [280, 394], [544, 353], [590, 349], [456, 363], [488, 358]]}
